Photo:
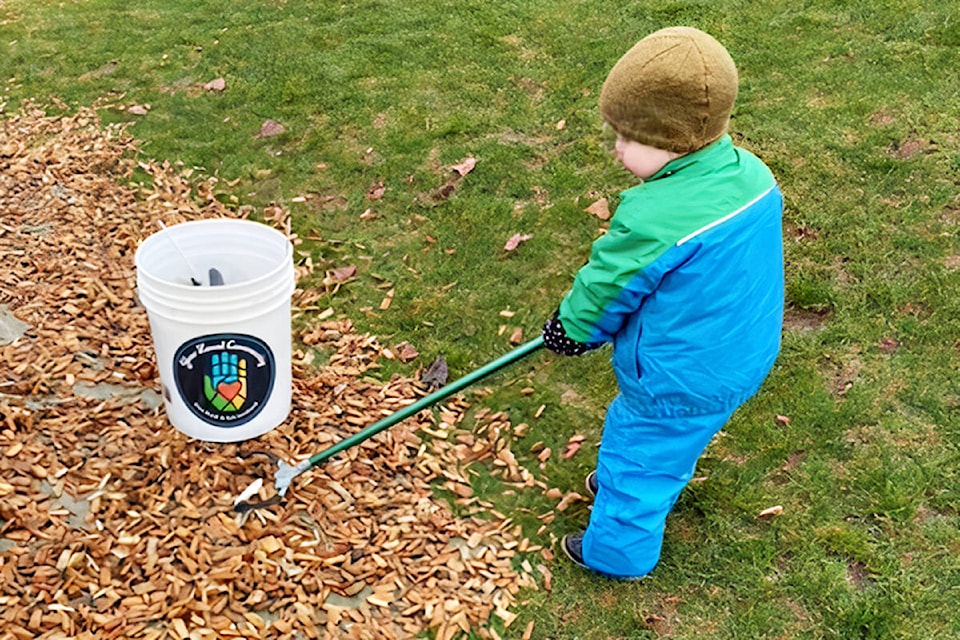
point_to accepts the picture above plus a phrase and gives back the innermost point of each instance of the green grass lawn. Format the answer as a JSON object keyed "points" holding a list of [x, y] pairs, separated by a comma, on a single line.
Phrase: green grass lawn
{"points": [[854, 105]]}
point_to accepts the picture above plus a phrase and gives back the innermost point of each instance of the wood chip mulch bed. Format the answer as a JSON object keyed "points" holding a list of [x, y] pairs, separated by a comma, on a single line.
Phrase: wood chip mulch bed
{"points": [[115, 525]]}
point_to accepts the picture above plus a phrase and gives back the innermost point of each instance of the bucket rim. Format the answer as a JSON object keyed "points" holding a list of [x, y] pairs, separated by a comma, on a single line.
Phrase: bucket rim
{"points": [[284, 263], [241, 309]]}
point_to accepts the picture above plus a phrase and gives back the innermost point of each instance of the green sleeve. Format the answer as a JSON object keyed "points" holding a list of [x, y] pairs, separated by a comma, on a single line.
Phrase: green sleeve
{"points": [[595, 306]]}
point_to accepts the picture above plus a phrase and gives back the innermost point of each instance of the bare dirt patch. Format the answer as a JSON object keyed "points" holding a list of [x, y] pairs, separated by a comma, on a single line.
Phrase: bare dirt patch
{"points": [[803, 320], [911, 147]]}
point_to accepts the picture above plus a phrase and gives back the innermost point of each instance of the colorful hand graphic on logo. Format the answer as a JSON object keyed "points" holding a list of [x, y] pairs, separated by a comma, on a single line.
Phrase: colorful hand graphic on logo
{"points": [[226, 386]]}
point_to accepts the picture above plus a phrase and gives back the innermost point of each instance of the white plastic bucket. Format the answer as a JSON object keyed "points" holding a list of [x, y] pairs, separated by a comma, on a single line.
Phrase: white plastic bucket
{"points": [[223, 352]]}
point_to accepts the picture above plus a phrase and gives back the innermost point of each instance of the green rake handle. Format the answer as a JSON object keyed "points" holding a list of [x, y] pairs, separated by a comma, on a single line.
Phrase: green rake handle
{"points": [[287, 473]]}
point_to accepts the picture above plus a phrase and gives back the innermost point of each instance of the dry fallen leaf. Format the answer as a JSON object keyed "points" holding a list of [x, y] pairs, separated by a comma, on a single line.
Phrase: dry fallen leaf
{"points": [[888, 345], [342, 274], [772, 511], [466, 166], [783, 420], [376, 191], [217, 85], [270, 128], [436, 374], [138, 109], [517, 336], [573, 445], [515, 241], [406, 352], [600, 208]]}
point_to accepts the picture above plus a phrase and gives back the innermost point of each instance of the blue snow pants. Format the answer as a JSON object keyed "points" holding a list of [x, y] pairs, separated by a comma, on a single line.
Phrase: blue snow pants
{"points": [[644, 463]]}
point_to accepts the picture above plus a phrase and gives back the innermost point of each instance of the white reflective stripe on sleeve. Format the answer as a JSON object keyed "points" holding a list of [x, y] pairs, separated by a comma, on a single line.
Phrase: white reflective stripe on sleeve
{"points": [[726, 217]]}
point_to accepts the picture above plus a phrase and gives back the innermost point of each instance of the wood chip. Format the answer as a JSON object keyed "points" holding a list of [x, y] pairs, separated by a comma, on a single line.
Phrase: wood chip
{"points": [[387, 299], [114, 520]]}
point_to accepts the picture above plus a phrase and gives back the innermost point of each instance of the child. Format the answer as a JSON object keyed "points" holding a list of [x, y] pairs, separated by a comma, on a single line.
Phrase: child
{"points": [[687, 283]]}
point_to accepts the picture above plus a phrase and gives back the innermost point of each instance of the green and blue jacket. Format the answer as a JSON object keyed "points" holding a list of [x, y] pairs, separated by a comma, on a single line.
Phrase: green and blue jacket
{"points": [[687, 283]]}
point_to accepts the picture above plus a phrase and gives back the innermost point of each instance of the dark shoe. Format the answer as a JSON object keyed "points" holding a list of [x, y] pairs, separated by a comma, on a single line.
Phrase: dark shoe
{"points": [[572, 545], [591, 483]]}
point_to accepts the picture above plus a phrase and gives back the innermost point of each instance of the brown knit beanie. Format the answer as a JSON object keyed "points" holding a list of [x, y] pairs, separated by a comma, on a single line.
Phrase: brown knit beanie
{"points": [[673, 90]]}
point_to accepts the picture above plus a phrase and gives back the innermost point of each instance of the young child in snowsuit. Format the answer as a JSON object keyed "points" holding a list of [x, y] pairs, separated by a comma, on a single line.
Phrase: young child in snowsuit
{"points": [[687, 283]]}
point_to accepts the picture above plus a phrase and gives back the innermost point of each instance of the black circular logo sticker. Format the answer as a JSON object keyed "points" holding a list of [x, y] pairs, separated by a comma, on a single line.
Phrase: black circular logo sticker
{"points": [[225, 378]]}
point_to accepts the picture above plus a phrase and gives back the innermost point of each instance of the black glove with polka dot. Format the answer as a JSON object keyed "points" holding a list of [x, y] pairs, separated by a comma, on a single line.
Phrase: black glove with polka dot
{"points": [[555, 338]]}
